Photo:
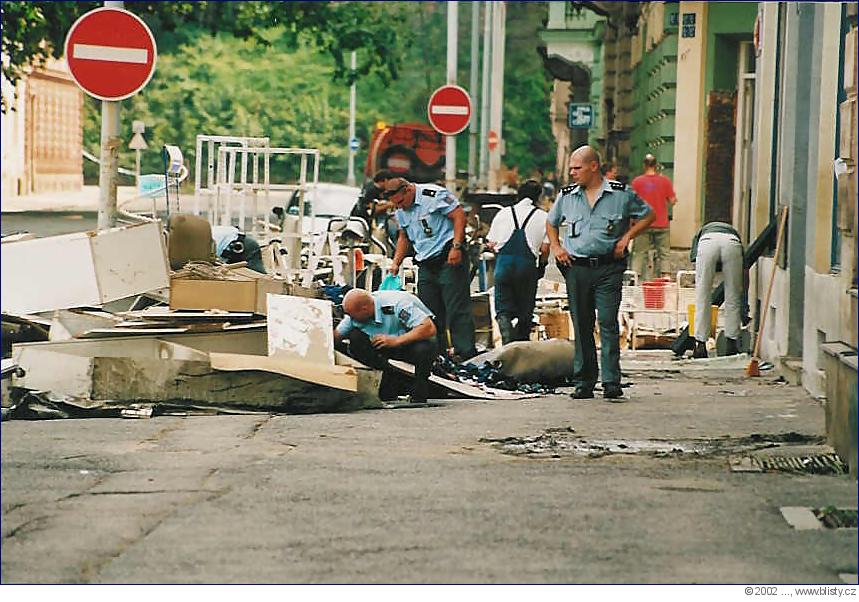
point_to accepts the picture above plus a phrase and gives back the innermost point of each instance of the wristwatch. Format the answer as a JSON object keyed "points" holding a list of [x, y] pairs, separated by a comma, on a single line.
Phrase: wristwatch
{"points": [[456, 245]]}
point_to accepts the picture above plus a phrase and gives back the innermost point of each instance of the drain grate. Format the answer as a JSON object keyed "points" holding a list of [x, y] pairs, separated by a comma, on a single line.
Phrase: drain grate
{"points": [[818, 464], [836, 518]]}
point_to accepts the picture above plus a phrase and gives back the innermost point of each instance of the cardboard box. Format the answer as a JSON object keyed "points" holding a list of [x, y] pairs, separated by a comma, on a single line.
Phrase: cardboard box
{"points": [[246, 291], [556, 324]]}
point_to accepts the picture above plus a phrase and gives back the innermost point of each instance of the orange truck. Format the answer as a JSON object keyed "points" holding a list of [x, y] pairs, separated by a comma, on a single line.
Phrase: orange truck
{"points": [[413, 150]]}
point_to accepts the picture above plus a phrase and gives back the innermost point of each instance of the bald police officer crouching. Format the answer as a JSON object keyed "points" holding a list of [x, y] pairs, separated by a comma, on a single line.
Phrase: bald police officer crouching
{"points": [[597, 213], [389, 324]]}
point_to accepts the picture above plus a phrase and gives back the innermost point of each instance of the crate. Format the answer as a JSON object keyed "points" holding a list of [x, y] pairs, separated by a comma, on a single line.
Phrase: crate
{"points": [[556, 324]]}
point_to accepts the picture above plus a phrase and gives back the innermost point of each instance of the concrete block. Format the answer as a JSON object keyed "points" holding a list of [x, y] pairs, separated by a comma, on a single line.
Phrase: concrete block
{"points": [[124, 370], [840, 364]]}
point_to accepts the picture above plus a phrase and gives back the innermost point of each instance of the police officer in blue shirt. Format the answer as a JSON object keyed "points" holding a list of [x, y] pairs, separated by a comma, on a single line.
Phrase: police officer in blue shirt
{"points": [[232, 245], [390, 324], [597, 213], [432, 220]]}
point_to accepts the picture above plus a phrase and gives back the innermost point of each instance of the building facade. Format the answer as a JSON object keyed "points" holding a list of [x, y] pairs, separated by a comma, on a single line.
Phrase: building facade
{"points": [[42, 133]]}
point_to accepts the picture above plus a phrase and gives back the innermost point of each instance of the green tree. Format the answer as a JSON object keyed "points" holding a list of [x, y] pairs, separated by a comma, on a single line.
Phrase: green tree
{"points": [[32, 31]]}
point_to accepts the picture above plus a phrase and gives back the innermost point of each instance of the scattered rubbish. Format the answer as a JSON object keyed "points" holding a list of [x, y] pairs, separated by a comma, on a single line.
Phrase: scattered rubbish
{"points": [[462, 389], [765, 366], [487, 374], [555, 444], [828, 517], [836, 518], [781, 380], [136, 412]]}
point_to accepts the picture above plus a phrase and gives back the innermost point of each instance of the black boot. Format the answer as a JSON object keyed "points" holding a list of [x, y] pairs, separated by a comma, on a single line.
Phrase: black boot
{"points": [[505, 327], [700, 351], [731, 346]]}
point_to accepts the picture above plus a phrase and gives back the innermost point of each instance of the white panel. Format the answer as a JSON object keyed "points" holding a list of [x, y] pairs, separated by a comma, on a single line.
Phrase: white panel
{"points": [[47, 273], [60, 373], [301, 327], [130, 261]]}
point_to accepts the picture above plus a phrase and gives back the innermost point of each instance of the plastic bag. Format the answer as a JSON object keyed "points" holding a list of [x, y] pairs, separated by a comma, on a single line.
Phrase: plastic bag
{"points": [[391, 282]]}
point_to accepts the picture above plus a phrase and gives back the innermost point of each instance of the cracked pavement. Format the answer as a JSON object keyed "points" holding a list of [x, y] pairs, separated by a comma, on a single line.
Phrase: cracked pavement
{"points": [[421, 496]]}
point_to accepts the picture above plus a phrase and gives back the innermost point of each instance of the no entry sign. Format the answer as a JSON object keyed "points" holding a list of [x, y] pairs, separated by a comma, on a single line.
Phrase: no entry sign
{"points": [[449, 110], [111, 53]]}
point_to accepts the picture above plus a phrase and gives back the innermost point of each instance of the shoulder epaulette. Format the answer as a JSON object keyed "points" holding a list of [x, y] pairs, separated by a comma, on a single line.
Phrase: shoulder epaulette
{"points": [[569, 189], [615, 185]]}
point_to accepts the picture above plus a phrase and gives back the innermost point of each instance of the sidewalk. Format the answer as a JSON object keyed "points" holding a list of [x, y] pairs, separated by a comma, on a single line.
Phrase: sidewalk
{"points": [[472, 491]]}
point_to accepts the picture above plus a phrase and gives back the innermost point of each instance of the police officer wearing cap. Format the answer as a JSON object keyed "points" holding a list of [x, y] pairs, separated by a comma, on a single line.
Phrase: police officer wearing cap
{"points": [[594, 251], [432, 220], [517, 236], [232, 245], [389, 324]]}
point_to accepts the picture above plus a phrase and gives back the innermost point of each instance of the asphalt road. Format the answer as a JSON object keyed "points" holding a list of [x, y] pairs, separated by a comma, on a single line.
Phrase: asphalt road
{"points": [[48, 223], [422, 495]]}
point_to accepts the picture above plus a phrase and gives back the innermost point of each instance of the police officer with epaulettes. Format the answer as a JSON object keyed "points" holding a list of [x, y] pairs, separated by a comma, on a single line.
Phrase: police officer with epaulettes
{"points": [[389, 324], [432, 220], [594, 251]]}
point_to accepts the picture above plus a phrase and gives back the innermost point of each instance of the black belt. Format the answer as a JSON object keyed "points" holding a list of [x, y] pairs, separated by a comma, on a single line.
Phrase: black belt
{"points": [[592, 262], [438, 257]]}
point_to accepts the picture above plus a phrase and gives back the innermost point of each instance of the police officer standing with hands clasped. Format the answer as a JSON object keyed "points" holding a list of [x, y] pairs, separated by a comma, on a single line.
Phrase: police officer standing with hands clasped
{"points": [[432, 220], [597, 213]]}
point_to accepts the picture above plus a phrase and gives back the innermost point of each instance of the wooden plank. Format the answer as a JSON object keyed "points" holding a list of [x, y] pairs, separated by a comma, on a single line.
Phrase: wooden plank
{"points": [[339, 377]]}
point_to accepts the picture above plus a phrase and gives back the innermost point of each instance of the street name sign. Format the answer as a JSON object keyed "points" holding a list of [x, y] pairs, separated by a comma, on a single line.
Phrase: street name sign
{"points": [[581, 116], [449, 110], [111, 53]]}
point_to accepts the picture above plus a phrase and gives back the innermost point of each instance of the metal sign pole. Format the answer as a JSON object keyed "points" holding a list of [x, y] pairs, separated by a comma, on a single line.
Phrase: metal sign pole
{"points": [[472, 128], [110, 142], [350, 178], [450, 141]]}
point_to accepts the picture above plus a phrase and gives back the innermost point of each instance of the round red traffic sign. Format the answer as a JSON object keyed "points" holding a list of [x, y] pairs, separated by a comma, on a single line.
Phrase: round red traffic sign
{"points": [[492, 140], [449, 110], [111, 53]]}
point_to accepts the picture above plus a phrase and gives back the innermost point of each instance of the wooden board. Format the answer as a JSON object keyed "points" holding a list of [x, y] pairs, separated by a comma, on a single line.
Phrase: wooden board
{"points": [[344, 378]]}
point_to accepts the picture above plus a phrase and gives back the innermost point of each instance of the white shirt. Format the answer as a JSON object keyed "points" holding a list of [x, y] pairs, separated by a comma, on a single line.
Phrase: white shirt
{"points": [[535, 232]]}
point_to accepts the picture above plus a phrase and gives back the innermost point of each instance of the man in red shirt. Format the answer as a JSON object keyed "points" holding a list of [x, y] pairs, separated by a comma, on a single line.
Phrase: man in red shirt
{"points": [[658, 191]]}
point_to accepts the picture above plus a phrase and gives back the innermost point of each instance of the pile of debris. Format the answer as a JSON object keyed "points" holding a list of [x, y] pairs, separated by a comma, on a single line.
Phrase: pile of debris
{"points": [[96, 324]]}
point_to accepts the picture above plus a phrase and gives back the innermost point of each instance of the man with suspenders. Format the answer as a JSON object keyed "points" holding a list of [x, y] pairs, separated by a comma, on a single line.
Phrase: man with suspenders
{"points": [[517, 237]]}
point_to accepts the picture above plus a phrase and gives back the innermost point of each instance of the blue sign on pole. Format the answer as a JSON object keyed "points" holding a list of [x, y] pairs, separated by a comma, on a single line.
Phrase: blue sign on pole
{"points": [[581, 116], [354, 144]]}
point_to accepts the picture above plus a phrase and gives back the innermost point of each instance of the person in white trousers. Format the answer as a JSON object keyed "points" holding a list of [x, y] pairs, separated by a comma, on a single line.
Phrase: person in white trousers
{"points": [[717, 247]]}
